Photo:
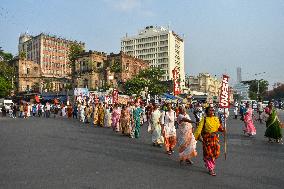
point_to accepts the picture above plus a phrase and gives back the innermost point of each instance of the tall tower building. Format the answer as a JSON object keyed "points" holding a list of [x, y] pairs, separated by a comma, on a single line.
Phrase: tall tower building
{"points": [[239, 75], [50, 52], [160, 47]]}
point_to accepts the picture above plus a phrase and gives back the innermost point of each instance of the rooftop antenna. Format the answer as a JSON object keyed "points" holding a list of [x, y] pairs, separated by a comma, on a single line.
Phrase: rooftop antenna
{"points": [[169, 25]]}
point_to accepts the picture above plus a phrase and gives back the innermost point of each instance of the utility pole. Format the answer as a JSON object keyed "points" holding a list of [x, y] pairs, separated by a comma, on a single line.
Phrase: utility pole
{"points": [[257, 74]]}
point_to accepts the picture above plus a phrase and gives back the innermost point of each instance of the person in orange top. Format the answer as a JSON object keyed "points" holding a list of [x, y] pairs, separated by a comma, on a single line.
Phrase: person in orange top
{"points": [[208, 128]]}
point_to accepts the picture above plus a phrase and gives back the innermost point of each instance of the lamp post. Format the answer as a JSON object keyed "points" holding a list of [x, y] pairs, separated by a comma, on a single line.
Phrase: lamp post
{"points": [[257, 74]]}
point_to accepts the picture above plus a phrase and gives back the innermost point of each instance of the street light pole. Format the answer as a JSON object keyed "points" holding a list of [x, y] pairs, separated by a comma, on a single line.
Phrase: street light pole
{"points": [[258, 82]]}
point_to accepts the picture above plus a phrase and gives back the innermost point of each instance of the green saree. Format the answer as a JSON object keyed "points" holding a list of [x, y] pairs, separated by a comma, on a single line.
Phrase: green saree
{"points": [[273, 129]]}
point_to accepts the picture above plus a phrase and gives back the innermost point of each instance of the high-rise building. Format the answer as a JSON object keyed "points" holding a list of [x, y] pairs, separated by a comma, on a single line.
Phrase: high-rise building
{"points": [[239, 75], [50, 52], [160, 47]]}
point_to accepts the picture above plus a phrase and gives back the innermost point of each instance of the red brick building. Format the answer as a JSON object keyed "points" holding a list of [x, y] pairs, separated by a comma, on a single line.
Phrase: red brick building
{"points": [[51, 54], [123, 67]]}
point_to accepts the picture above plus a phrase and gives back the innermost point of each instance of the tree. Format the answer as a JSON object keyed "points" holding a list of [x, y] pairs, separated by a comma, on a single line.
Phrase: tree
{"points": [[150, 78], [115, 67], [257, 89], [74, 51], [276, 93], [135, 85], [7, 74], [22, 55], [6, 57], [5, 87]]}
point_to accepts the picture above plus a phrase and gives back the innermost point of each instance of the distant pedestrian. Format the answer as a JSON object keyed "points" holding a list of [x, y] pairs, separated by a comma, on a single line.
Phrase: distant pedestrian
{"points": [[115, 118], [249, 128], [157, 138]]}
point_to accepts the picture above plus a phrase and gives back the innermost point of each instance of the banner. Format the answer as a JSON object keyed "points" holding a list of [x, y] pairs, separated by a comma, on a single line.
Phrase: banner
{"points": [[108, 99], [81, 92], [224, 93], [115, 96], [175, 80]]}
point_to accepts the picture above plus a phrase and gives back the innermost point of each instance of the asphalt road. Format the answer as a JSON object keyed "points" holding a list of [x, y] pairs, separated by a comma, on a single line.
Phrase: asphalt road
{"points": [[62, 153]]}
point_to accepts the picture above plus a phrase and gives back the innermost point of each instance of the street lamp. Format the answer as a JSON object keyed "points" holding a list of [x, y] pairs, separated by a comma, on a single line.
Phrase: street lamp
{"points": [[257, 74]]}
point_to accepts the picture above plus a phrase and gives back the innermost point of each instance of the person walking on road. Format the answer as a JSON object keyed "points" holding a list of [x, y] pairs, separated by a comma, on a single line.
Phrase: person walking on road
{"points": [[137, 116], [125, 121], [157, 138], [115, 118], [168, 129], [208, 128], [249, 127], [273, 124], [185, 138]]}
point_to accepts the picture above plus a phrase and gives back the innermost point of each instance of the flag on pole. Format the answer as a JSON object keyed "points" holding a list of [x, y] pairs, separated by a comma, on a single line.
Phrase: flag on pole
{"points": [[225, 103]]}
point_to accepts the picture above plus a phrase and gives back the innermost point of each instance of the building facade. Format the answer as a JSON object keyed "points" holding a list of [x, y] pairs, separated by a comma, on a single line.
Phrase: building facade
{"points": [[96, 70], [28, 76], [204, 83], [242, 90], [160, 47], [50, 52], [89, 69], [123, 67]]}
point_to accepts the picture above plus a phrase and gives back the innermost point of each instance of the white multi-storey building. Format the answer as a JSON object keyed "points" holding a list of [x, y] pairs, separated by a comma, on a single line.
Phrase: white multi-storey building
{"points": [[160, 47]]}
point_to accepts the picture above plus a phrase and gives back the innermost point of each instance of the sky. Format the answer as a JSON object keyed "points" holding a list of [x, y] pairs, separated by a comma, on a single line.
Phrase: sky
{"points": [[219, 35]]}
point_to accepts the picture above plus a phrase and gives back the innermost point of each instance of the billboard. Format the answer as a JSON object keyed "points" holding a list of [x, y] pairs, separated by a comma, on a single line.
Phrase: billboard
{"points": [[81, 92]]}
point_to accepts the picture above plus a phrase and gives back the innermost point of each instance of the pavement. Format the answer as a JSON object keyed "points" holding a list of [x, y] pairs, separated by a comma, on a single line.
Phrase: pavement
{"points": [[64, 153]]}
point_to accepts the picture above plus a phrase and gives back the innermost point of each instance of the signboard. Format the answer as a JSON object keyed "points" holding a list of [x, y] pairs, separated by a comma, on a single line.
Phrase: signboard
{"points": [[108, 99], [175, 80], [224, 94], [81, 92], [115, 96]]}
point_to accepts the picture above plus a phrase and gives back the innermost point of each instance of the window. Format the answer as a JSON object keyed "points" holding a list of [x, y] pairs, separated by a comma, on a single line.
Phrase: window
{"points": [[28, 70]]}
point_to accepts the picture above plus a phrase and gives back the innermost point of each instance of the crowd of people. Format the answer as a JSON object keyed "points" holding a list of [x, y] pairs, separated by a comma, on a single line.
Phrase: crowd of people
{"points": [[169, 124]]}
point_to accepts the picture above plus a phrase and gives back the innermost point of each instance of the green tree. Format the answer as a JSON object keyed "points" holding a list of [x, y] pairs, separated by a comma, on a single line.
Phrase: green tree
{"points": [[5, 87], [7, 73], [6, 57], [22, 55], [150, 78], [135, 85], [115, 67], [258, 89], [74, 51]]}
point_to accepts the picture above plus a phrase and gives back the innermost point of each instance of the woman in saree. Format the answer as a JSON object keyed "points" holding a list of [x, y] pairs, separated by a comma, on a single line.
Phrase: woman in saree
{"points": [[169, 129], [107, 116], [249, 128], [273, 125], [101, 115], [96, 115], [115, 118], [69, 111], [156, 130], [208, 128], [185, 138], [125, 120]]}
